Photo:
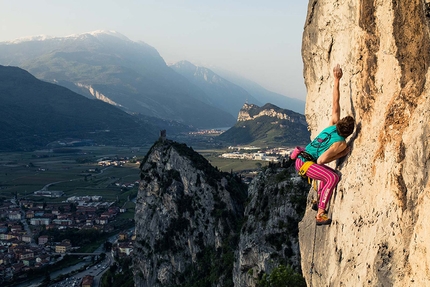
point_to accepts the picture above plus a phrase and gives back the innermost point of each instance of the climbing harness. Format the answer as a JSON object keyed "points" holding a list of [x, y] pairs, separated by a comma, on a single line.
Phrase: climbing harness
{"points": [[305, 168], [306, 156], [302, 172]]}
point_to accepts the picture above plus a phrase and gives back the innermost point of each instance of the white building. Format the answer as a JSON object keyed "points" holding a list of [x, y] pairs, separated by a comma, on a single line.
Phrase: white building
{"points": [[40, 221]]}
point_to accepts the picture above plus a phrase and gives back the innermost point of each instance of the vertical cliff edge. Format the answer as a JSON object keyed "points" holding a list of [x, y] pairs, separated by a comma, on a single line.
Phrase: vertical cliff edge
{"points": [[380, 209], [188, 216]]}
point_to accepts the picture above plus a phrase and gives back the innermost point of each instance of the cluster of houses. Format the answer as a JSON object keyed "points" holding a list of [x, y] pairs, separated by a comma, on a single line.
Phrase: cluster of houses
{"points": [[110, 162], [250, 156], [73, 214], [207, 132], [124, 245], [243, 152], [17, 258], [23, 248], [49, 193]]}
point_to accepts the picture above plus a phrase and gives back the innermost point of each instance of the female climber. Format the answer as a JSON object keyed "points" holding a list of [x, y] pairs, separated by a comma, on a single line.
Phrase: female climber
{"points": [[328, 146]]}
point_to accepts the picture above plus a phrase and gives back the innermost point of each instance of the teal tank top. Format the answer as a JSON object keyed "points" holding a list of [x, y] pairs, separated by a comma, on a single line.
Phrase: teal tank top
{"points": [[323, 141]]}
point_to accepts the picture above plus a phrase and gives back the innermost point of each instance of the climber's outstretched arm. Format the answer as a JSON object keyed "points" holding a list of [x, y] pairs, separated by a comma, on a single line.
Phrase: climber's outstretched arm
{"points": [[335, 115]]}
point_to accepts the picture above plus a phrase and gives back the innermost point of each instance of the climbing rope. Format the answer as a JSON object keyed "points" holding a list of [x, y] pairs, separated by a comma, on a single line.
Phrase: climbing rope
{"points": [[311, 271]]}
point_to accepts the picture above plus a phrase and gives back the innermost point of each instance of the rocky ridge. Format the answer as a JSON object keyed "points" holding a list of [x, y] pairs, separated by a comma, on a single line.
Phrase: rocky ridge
{"points": [[251, 112], [268, 125], [187, 219]]}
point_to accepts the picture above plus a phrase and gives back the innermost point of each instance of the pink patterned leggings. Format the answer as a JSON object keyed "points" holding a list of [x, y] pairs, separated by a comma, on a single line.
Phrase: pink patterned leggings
{"points": [[328, 180]]}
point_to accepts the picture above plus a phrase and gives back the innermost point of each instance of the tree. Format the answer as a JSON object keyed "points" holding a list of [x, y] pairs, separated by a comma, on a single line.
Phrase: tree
{"points": [[282, 276]]}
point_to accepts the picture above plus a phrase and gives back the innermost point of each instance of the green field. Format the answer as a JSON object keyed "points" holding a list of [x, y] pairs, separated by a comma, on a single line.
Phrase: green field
{"points": [[73, 173], [227, 164], [24, 173]]}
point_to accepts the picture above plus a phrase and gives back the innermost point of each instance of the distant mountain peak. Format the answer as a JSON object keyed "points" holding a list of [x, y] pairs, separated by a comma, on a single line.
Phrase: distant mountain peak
{"points": [[108, 32], [202, 72], [184, 65], [96, 34]]}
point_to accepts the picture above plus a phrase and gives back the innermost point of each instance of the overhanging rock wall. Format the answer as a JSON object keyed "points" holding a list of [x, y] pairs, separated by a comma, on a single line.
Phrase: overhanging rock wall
{"points": [[381, 208]]}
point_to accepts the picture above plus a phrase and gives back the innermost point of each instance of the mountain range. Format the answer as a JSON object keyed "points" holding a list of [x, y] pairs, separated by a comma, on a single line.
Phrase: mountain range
{"points": [[140, 93], [34, 113], [132, 76]]}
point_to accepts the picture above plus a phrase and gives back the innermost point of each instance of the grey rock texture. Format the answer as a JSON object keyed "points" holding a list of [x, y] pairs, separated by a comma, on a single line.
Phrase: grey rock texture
{"points": [[269, 236], [380, 210], [188, 217]]}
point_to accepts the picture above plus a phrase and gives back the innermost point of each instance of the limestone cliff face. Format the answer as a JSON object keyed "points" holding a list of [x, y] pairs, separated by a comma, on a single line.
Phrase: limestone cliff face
{"points": [[188, 217], [380, 210]]}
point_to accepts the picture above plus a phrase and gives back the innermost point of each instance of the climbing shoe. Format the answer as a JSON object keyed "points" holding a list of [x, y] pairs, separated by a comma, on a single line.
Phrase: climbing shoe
{"points": [[323, 219]]}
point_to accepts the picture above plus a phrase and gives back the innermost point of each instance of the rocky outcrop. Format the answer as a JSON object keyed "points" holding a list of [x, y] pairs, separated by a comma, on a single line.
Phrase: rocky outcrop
{"points": [[268, 125], [379, 234], [96, 94], [188, 217], [269, 236], [251, 112]]}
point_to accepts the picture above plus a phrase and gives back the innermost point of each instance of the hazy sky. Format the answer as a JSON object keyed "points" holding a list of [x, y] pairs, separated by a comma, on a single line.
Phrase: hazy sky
{"points": [[260, 40]]}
